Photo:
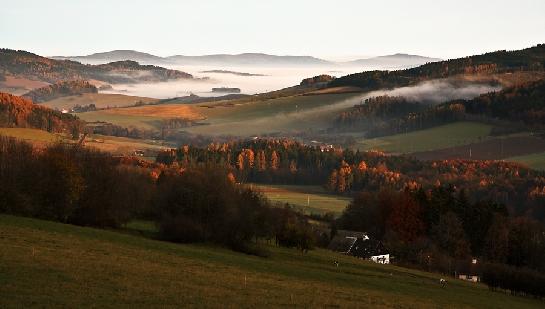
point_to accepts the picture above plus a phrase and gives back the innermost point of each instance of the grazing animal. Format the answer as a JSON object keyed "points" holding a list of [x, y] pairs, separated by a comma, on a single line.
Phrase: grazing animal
{"points": [[443, 282], [336, 263]]}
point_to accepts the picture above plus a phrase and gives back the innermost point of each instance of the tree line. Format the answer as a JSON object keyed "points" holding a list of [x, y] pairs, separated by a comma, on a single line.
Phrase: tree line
{"points": [[285, 161], [382, 116], [441, 229], [81, 186]]}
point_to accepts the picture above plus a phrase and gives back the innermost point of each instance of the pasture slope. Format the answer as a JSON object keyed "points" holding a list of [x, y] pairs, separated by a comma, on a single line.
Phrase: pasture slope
{"points": [[535, 161], [445, 136], [46, 264], [101, 100], [308, 199]]}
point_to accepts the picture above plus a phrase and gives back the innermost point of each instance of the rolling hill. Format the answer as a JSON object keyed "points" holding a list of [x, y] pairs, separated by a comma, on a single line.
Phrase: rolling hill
{"points": [[54, 265], [114, 55], [22, 113], [23, 64], [396, 61], [248, 59], [529, 59], [60, 89]]}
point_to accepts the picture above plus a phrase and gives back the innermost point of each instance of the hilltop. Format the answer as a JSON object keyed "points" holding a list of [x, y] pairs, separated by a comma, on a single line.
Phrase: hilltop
{"points": [[114, 55], [398, 60], [22, 113], [529, 59], [395, 61], [23, 64], [60, 89]]}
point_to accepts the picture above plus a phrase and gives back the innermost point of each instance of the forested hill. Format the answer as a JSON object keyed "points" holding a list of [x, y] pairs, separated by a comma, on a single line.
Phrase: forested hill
{"points": [[28, 65], [60, 89], [20, 112], [521, 103], [529, 59]]}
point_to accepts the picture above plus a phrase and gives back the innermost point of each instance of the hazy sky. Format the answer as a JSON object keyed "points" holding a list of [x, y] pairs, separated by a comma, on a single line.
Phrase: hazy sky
{"points": [[331, 28]]}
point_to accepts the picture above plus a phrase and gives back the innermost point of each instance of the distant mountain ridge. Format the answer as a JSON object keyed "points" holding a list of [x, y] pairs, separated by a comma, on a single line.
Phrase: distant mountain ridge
{"points": [[398, 60], [31, 66], [113, 56], [246, 59]]}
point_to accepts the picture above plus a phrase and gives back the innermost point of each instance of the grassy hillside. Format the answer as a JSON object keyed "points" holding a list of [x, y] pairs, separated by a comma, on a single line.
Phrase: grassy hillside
{"points": [[235, 117], [445, 136], [124, 145], [275, 115], [111, 144], [31, 135], [310, 199], [535, 161], [50, 265], [101, 100]]}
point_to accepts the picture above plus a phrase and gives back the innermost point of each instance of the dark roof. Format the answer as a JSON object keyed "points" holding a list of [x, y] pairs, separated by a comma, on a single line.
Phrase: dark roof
{"points": [[366, 248], [359, 246]]}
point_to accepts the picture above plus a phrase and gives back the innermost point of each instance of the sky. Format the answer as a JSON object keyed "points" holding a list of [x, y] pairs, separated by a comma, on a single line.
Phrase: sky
{"points": [[328, 29]]}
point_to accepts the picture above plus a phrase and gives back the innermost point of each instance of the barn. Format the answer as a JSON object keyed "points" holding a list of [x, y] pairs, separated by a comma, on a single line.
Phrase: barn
{"points": [[361, 246]]}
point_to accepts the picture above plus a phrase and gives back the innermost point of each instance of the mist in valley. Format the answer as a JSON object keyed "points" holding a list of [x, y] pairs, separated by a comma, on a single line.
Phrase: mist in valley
{"points": [[320, 114], [272, 79]]}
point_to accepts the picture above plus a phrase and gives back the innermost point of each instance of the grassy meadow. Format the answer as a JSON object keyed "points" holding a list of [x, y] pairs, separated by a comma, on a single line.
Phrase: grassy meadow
{"points": [[101, 100], [46, 264], [535, 161], [445, 136], [309, 199], [124, 145], [31, 135], [128, 121]]}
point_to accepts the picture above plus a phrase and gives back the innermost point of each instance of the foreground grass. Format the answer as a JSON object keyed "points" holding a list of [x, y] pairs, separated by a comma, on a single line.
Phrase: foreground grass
{"points": [[309, 199], [47, 264], [450, 135], [535, 161]]}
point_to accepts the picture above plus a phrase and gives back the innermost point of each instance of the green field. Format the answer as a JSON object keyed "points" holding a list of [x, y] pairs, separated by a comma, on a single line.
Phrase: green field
{"points": [[287, 114], [309, 199], [450, 135], [45, 264], [535, 161]]}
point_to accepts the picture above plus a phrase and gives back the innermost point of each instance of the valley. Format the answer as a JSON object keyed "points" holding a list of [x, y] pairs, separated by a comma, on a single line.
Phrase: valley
{"points": [[272, 154]]}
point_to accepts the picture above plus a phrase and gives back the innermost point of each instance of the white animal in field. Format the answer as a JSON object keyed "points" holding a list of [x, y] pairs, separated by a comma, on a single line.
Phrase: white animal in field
{"points": [[443, 282]]}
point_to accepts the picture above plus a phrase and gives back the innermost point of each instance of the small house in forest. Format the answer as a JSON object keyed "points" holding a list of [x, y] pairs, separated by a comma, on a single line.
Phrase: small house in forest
{"points": [[469, 271], [361, 246]]}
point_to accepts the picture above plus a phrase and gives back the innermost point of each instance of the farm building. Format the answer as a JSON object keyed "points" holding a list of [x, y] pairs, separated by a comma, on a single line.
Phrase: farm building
{"points": [[361, 246], [472, 278], [469, 272]]}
